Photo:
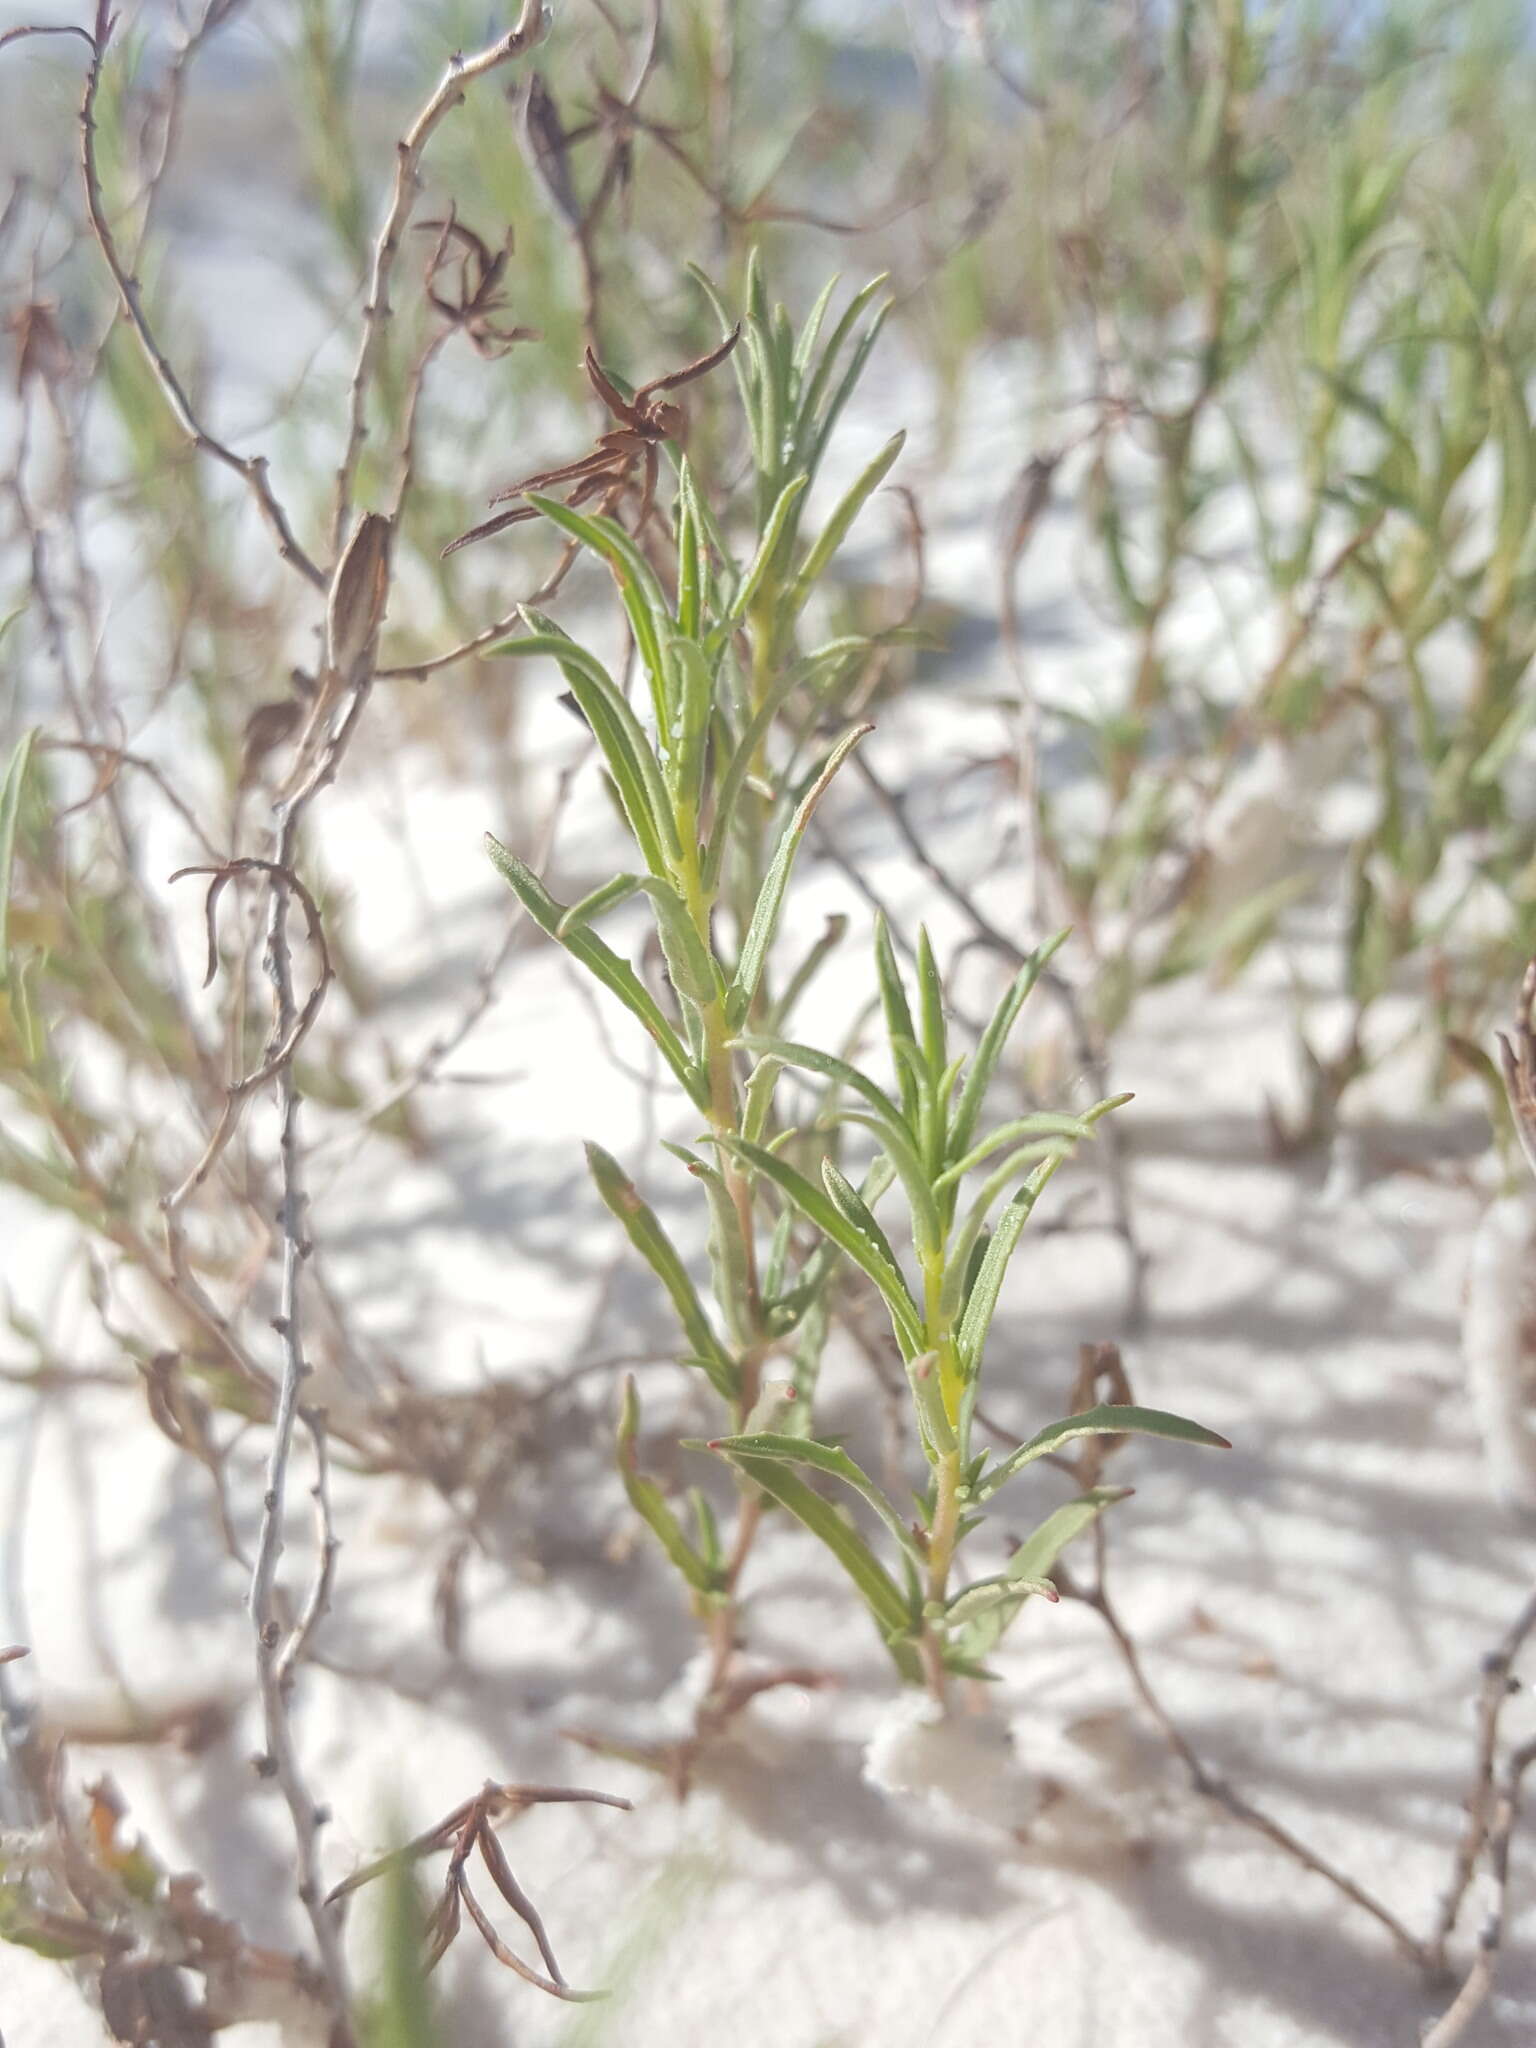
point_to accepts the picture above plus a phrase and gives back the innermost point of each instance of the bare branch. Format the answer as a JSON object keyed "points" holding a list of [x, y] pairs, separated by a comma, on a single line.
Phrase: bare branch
{"points": [[448, 94], [251, 469]]}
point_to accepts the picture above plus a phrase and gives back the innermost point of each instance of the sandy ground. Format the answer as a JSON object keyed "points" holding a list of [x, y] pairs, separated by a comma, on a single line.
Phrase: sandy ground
{"points": [[1313, 1605]]}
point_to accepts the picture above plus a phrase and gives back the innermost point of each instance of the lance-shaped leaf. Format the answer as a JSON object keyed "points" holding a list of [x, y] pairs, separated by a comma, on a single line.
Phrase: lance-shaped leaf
{"points": [[589, 908], [727, 1251], [820, 403], [660, 1254], [898, 1011], [856, 1210], [848, 508], [926, 1379], [644, 601], [1043, 1123], [10, 812], [892, 1611], [770, 901], [988, 1609], [649, 1503], [812, 327], [631, 762], [790, 1053], [602, 962], [927, 1230], [989, 1050], [693, 701], [692, 970], [820, 1209], [745, 752], [1107, 1420], [971, 1337], [762, 561], [818, 1457]]}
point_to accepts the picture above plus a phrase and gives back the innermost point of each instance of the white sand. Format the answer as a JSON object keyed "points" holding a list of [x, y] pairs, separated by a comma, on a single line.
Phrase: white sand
{"points": [[1313, 1605]]}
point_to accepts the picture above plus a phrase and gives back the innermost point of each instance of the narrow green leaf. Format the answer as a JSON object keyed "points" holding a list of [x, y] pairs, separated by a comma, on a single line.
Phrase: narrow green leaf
{"points": [[898, 1012], [1101, 1421], [648, 1501], [603, 963], [628, 753], [692, 569], [930, 996], [693, 699], [988, 1285], [878, 1590], [927, 1228], [821, 1210], [989, 1608], [820, 1457], [660, 1254], [939, 1438], [767, 548], [857, 1211], [812, 328], [645, 603], [770, 901], [727, 1252], [816, 391], [846, 384], [10, 812], [1041, 1123], [848, 508], [606, 896], [790, 1053], [694, 973], [989, 1050]]}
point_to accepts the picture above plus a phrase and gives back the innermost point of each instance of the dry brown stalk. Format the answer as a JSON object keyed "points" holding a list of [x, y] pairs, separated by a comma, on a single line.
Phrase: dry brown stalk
{"points": [[626, 460], [470, 1828], [1501, 1823], [251, 469], [377, 311]]}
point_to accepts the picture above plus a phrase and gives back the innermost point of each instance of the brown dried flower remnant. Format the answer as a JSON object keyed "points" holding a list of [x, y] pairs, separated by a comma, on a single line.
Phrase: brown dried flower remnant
{"points": [[626, 458], [471, 1827]]}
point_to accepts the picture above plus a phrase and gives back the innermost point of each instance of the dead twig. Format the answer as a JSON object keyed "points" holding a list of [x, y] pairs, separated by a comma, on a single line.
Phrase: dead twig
{"points": [[468, 1829], [1477, 1984], [377, 311], [274, 1661], [280, 1054], [1517, 1059], [251, 469], [1206, 1782], [1497, 1688]]}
